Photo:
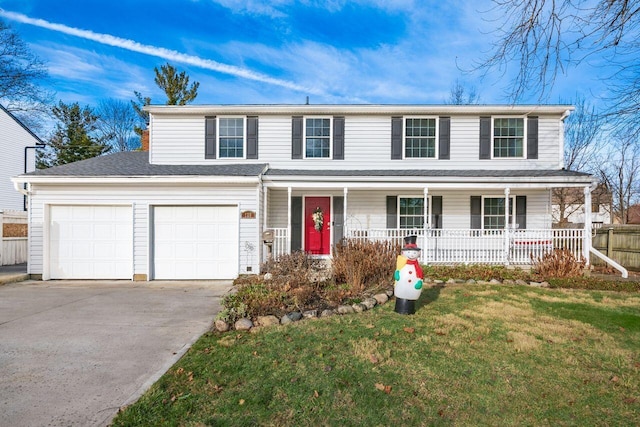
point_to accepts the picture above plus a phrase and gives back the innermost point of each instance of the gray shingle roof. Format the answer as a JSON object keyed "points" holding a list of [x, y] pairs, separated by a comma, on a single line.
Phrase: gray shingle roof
{"points": [[136, 163]]}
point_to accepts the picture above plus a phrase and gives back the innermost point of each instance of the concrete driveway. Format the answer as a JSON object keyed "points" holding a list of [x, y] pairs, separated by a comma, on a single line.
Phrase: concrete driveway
{"points": [[73, 352]]}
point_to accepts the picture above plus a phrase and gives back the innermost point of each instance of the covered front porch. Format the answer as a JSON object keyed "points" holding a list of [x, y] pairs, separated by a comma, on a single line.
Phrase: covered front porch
{"points": [[456, 222]]}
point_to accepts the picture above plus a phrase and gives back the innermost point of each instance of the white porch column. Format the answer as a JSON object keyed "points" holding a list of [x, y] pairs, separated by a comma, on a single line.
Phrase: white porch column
{"points": [[344, 212], [586, 244], [507, 225], [289, 219], [427, 208]]}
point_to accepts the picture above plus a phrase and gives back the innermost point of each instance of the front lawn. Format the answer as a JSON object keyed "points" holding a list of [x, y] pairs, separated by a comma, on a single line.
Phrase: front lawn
{"points": [[471, 355]]}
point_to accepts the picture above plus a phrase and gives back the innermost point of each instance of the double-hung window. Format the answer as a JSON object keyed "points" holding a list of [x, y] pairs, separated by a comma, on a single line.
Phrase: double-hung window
{"points": [[493, 211], [411, 212], [508, 137], [317, 137], [420, 137], [231, 137]]}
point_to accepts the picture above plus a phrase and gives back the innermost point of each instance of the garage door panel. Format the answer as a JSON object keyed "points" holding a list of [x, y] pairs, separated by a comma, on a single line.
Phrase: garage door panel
{"points": [[90, 242], [192, 242]]}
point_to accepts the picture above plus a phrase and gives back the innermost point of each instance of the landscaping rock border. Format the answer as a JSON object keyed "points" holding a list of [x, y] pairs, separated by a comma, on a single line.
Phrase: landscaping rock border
{"points": [[246, 324]]}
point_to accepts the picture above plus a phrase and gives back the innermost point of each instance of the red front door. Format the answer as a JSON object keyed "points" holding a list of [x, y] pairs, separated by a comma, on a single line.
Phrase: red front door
{"points": [[317, 221]]}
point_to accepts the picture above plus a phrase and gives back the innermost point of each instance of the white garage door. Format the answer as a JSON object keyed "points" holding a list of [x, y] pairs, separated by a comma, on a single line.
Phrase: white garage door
{"points": [[90, 242], [195, 242]]}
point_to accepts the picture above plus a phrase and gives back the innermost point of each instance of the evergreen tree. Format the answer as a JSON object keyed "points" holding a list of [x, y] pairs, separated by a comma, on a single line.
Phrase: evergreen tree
{"points": [[74, 138], [175, 85]]}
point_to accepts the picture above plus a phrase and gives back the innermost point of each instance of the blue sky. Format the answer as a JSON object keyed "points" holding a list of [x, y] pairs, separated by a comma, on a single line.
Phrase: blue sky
{"points": [[269, 52]]}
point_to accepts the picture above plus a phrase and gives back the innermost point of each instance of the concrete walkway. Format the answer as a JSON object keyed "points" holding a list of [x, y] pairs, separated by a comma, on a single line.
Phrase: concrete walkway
{"points": [[73, 352]]}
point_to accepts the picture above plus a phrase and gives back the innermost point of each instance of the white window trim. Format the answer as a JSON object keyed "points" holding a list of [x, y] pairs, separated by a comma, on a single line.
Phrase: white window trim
{"points": [[412, 196], [512, 207], [304, 137], [404, 137], [524, 137], [244, 137]]}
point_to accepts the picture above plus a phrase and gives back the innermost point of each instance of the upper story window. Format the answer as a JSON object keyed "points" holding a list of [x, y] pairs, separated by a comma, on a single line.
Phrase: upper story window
{"points": [[508, 137], [231, 137], [420, 138], [493, 212], [317, 137]]}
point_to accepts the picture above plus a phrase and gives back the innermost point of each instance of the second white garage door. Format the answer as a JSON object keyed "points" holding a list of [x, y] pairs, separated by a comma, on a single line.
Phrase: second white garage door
{"points": [[195, 242]]}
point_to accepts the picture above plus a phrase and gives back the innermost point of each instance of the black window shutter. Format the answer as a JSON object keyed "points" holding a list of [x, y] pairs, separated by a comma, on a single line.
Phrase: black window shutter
{"points": [[338, 138], [532, 138], [521, 212], [396, 138], [338, 219], [252, 137], [296, 137], [476, 212], [444, 138], [485, 138], [210, 137], [296, 224], [436, 212], [392, 211]]}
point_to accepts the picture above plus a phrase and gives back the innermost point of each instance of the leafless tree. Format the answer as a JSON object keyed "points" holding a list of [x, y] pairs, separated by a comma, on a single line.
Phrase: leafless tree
{"points": [[621, 173], [583, 131], [21, 75], [459, 94], [547, 37], [117, 119]]}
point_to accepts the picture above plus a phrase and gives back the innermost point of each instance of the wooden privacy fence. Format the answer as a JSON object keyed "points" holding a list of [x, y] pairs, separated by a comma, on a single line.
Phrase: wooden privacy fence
{"points": [[621, 243], [13, 237]]}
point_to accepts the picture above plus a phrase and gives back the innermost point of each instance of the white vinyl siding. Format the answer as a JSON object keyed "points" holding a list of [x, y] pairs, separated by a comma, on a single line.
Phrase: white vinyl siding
{"points": [[180, 140], [143, 197], [13, 140]]}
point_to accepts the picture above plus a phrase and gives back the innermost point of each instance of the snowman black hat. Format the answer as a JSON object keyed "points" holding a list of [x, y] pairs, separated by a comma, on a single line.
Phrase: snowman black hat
{"points": [[410, 243]]}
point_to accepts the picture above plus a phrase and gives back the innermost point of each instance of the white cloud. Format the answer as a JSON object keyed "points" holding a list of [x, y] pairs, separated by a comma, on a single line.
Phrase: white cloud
{"points": [[160, 52]]}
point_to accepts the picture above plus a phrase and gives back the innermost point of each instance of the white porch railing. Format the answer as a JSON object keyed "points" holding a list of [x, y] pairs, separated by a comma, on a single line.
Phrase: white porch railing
{"points": [[280, 242], [449, 246]]}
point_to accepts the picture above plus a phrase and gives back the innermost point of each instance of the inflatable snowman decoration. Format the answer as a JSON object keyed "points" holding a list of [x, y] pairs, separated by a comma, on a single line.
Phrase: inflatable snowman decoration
{"points": [[408, 277]]}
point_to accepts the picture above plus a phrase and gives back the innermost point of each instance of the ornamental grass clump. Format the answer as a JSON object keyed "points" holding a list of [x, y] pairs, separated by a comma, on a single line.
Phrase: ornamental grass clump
{"points": [[559, 263], [364, 265]]}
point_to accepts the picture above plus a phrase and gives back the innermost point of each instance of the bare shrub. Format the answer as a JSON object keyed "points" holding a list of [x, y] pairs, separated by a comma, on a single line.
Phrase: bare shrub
{"points": [[364, 264], [559, 263]]}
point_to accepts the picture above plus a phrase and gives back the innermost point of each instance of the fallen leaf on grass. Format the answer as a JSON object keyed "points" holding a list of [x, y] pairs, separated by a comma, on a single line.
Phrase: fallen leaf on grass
{"points": [[382, 387], [630, 400], [614, 379], [409, 330], [373, 359], [241, 402], [315, 393]]}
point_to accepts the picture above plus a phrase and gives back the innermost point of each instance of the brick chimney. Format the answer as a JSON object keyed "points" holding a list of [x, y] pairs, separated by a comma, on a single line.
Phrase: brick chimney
{"points": [[144, 140]]}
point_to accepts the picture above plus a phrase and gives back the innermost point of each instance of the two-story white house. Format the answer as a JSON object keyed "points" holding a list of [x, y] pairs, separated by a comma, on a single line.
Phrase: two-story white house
{"points": [[473, 182]]}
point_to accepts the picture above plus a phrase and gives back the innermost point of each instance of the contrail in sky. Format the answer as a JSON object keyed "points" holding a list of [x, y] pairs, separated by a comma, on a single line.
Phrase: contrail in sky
{"points": [[160, 52]]}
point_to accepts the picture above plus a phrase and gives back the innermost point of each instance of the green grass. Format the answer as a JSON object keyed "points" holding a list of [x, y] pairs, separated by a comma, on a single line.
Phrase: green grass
{"points": [[471, 355]]}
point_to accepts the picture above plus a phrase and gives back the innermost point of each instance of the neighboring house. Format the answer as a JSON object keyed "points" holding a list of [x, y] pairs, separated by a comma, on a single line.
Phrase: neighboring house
{"points": [[17, 156], [473, 182], [573, 201]]}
